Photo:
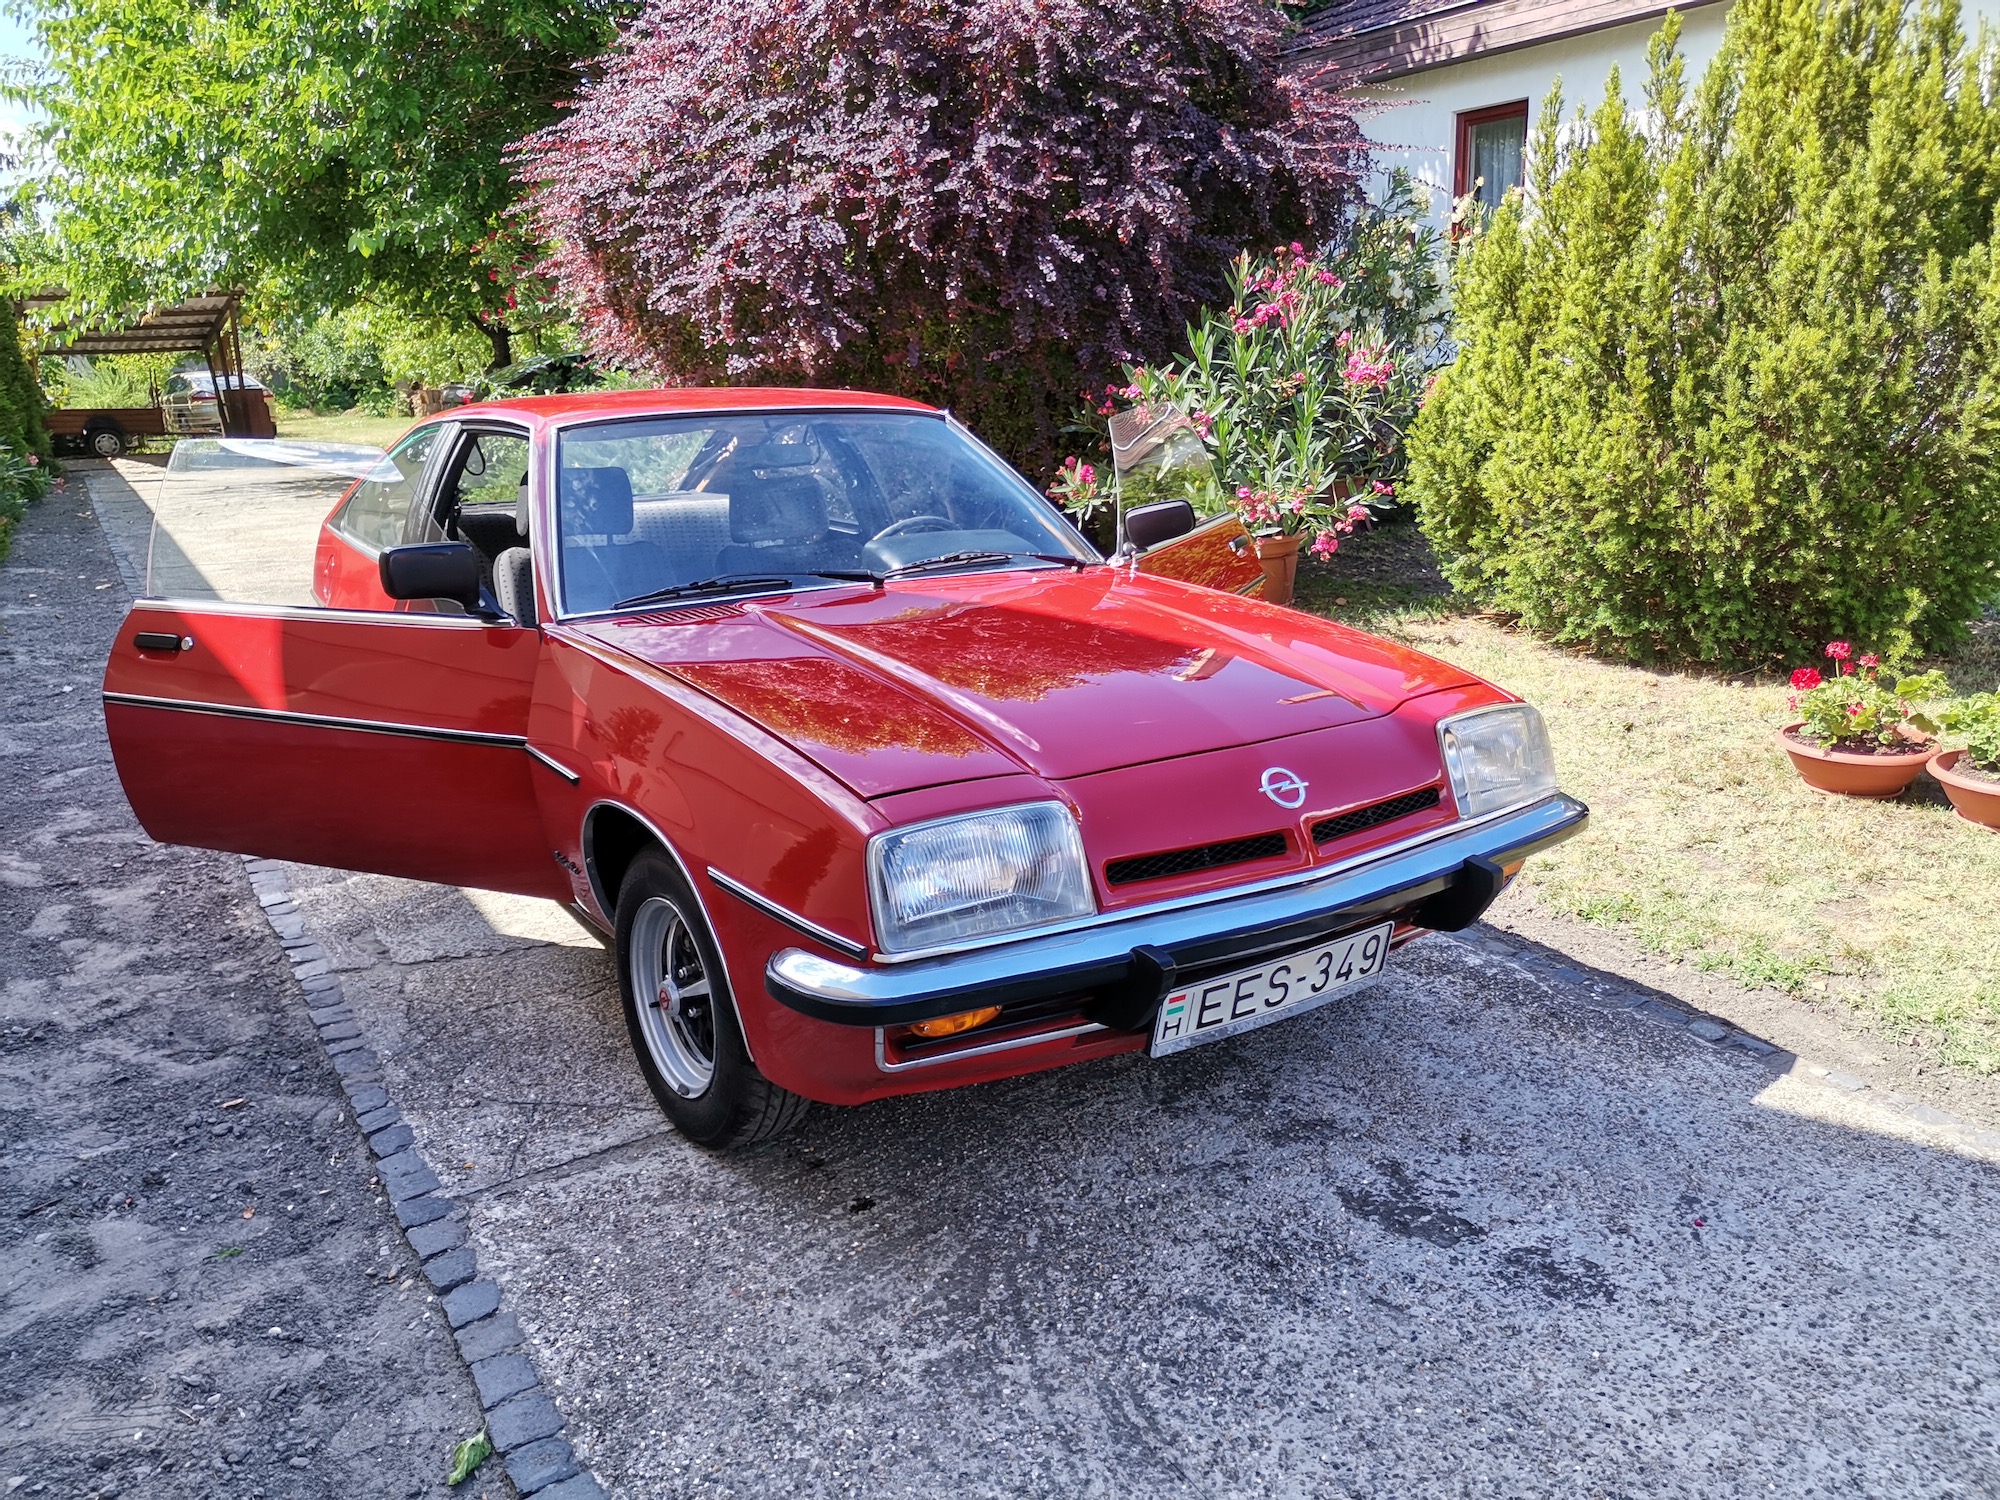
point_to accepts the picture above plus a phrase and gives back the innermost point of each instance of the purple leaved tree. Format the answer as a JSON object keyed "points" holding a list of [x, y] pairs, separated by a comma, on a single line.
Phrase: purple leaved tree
{"points": [[988, 204]]}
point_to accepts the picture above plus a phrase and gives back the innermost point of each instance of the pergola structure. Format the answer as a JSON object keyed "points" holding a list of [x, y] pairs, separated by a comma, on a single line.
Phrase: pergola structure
{"points": [[206, 326]]}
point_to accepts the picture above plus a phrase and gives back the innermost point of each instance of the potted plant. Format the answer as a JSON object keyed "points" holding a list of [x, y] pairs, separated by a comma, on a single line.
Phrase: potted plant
{"points": [[1859, 732], [1970, 774]]}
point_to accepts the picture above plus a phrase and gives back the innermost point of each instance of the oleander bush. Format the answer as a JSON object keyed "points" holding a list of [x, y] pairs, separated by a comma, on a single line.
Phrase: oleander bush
{"points": [[1729, 380], [984, 206]]}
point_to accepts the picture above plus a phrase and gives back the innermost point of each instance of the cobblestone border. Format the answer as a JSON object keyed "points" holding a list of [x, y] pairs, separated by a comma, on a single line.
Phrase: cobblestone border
{"points": [[522, 1422], [1615, 992]]}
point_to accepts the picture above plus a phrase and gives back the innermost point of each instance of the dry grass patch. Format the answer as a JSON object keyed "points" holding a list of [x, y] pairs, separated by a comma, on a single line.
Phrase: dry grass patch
{"points": [[1704, 844]]}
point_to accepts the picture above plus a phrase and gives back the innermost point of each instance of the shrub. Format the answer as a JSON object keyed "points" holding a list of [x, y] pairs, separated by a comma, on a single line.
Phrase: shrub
{"points": [[1728, 387], [984, 206]]}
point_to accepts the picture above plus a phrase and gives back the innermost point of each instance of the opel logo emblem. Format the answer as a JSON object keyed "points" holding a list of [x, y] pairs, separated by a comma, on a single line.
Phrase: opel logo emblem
{"points": [[1286, 788]]}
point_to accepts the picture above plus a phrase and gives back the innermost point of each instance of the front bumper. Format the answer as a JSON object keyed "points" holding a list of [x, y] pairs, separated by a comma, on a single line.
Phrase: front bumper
{"points": [[1443, 879]]}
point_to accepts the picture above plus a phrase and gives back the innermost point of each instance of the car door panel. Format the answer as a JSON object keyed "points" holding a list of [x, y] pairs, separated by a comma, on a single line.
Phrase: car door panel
{"points": [[389, 743]]}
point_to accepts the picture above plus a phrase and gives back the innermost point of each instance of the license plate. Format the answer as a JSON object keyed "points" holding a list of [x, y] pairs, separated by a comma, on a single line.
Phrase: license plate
{"points": [[1249, 998]]}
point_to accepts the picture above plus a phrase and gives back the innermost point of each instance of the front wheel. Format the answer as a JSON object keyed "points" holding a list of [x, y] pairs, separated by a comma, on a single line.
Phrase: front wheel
{"points": [[106, 442], [683, 1024]]}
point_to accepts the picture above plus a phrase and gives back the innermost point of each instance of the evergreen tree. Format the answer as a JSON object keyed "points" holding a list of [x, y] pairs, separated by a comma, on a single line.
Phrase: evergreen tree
{"points": [[23, 426], [1729, 381]]}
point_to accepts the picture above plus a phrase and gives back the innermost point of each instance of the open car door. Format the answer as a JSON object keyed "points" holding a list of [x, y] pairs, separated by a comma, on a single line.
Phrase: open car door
{"points": [[243, 717], [1161, 469]]}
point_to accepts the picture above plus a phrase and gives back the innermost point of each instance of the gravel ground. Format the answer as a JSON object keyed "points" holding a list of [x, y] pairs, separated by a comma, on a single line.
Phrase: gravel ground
{"points": [[203, 1292]]}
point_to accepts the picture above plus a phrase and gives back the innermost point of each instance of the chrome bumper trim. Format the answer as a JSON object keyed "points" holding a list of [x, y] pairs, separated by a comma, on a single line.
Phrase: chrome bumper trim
{"points": [[1229, 926]]}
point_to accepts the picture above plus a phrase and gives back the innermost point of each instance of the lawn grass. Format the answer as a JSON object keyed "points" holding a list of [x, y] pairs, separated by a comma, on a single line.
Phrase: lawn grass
{"points": [[341, 427], [1703, 842]]}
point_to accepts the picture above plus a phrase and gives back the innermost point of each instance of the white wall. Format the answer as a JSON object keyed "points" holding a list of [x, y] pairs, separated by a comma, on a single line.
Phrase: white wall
{"points": [[1414, 120]]}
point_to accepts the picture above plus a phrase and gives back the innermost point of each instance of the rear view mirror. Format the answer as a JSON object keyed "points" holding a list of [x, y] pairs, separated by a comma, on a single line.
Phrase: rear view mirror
{"points": [[1150, 525], [432, 570]]}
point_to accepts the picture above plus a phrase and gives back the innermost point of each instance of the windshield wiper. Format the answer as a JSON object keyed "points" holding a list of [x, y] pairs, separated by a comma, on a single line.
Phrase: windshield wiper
{"points": [[724, 582], [959, 559]]}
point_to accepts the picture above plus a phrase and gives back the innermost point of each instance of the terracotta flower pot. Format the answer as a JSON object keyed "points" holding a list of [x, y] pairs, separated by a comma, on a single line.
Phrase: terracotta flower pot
{"points": [[1280, 557], [1852, 775], [1977, 798]]}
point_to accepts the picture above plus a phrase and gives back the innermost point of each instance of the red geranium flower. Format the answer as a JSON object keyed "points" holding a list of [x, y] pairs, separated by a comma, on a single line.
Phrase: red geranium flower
{"points": [[1805, 679], [1871, 660], [1839, 650]]}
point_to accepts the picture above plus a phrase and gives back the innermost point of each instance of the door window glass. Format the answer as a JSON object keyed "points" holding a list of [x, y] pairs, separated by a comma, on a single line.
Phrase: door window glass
{"points": [[376, 513]]}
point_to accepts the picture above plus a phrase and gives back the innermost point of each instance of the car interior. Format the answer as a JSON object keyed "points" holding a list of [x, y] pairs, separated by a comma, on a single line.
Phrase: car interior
{"points": [[664, 502]]}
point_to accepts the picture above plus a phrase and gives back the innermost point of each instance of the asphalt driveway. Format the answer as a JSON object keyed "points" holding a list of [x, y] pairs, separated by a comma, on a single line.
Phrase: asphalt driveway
{"points": [[1497, 1226]]}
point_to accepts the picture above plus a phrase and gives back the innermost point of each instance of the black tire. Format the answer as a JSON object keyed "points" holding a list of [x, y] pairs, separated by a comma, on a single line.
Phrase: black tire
{"points": [[105, 442], [663, 942]]}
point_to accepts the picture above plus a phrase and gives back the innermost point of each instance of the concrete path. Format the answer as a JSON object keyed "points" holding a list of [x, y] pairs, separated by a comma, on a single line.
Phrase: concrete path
{"points": [[1497, 1227], [202, 1292]]}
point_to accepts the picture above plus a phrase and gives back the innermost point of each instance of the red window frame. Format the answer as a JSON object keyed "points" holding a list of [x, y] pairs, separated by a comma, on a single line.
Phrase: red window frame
{"points": [[1461, 155]]}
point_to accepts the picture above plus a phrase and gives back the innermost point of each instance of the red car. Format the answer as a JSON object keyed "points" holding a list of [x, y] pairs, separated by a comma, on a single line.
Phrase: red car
{"points": [[878, 776]]}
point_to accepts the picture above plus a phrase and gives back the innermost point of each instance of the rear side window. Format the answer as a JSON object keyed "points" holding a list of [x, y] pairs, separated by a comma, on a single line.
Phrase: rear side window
{"points": [[376, 512]]}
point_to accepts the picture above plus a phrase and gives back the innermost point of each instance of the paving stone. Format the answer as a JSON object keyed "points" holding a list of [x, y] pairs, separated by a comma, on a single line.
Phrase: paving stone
{"points": [[1708, 1031], [1924, 1114], [540, 1464], [489, 1336], [299, 949], [327, 1014], [344, 1045], [311, 970], [1847, 1082], [1659, 1012], [437, 1237], [451, 1269], [470, 1303], [286, 925], [411, 1212], [406, 1175], [321, 984], [515, 1424], [352, 1065], [365, 1099], [397, 1137], [373, 1120], [502, 1376], [577, 1487], [1754, 1044], [339, 1030]]}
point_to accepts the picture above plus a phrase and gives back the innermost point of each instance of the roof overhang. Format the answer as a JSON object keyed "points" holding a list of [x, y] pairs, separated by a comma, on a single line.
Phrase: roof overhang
{"points": [[1479, 28]]}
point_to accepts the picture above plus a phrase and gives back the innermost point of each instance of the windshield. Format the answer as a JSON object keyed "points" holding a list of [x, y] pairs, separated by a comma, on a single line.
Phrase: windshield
{"points": [[769, 498]]}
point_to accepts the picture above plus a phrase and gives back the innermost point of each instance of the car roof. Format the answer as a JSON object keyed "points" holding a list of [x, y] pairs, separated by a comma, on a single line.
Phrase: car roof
{"points": [[668, 400]]}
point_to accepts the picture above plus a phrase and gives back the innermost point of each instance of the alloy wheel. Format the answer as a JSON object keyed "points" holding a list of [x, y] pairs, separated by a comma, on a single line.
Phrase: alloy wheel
{"points": [[676, 1005]]}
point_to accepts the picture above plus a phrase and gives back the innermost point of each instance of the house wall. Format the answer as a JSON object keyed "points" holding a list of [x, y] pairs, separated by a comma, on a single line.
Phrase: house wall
{"points": [[1414, 119]]}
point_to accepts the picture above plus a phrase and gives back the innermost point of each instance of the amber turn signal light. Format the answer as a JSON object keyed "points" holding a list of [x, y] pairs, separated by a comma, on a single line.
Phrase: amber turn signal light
{"points": [[965, 1020]]}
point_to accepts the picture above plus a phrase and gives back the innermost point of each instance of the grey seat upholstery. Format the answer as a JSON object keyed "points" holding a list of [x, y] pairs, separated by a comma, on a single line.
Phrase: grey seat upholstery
{"points": [[514, 584], [602, 561], [691, 528], [780, 525]]}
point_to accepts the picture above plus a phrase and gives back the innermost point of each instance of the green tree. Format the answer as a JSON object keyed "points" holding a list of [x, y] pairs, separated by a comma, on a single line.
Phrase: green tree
{"points": [[23, 426], [1729, 385], [323, 153]]}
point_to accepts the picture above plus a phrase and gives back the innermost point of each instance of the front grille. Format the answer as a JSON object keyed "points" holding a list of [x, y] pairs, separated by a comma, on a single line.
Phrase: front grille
{"points": [[1326, 830], [1187, 861]]}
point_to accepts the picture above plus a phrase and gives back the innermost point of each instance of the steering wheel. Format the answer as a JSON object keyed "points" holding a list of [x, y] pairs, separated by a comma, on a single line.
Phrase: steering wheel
{"points": [[913, 523]]}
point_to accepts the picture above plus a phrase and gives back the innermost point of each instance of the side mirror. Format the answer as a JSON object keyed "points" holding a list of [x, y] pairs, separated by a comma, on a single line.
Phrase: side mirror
{"points": [[432, 570], [1150, 525]]}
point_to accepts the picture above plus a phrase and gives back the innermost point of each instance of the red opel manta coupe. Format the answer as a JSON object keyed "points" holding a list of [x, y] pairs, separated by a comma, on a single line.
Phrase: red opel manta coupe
{"points": [[878, 776]]}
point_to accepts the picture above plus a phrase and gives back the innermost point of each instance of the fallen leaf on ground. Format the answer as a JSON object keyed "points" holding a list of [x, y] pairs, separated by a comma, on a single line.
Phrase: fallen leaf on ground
{"points": [[232, 1103], [229, 1252], [468, 1456], [250, 1213]]}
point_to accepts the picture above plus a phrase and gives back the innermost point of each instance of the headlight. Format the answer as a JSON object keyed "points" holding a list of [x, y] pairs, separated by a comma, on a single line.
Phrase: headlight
{"points": [[977, 874], [1497, 758]]}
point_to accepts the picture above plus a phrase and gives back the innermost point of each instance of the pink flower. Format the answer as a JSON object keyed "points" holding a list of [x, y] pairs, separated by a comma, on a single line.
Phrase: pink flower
{"points": [[1357, 512], [1203, 423], [1244, 325], [1854, 710], [1871, 660], [1384, 489], [1805, 679], [1297, 248], [1364, 370], [1325, 545], [1839, 650]]}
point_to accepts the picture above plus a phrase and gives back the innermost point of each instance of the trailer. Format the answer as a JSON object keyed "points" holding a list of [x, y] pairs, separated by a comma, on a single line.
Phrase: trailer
{"points": [[105, 431]]}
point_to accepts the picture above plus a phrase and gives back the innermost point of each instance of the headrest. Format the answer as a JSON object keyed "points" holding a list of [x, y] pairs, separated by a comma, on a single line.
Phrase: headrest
{"points": [[596, 502], [783, 508]]}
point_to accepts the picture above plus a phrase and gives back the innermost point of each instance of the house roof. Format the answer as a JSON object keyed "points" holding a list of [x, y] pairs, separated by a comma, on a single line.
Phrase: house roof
{"points": [[1381, 40]]}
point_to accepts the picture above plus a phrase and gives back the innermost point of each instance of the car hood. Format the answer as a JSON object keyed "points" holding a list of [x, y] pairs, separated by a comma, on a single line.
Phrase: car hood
{"points": [[1060, 674]]}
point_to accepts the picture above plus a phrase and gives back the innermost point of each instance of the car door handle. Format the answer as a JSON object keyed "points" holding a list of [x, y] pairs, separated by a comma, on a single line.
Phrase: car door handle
{"points": [[156, 640]]}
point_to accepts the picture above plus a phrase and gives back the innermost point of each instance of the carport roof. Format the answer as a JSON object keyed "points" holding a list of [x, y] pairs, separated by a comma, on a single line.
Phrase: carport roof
{"points": [[191, 327]]}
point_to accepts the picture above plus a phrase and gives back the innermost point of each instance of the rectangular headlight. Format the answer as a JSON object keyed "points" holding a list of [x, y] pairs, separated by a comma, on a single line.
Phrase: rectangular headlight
{"points": [[1497, 758], [977, 874]]}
